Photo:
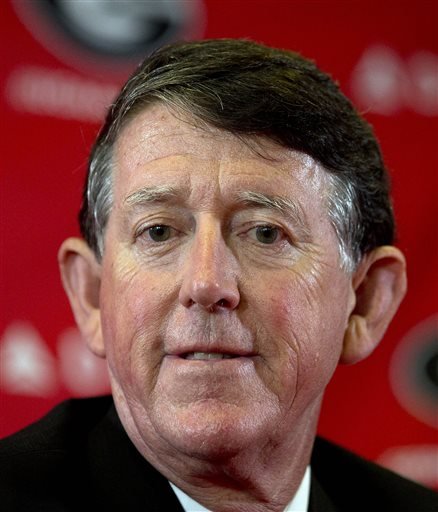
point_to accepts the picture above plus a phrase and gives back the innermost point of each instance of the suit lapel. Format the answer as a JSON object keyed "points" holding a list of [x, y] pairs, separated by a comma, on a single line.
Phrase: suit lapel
{"points": [[120, 478], [319, 500]]}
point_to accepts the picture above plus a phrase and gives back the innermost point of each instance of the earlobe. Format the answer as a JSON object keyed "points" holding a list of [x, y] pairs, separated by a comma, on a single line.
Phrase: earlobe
{"points": [[80, 274], [379, 286]]}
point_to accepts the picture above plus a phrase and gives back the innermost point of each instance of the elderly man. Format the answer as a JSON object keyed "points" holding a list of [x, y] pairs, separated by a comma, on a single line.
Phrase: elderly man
{"points": [[237, 246]]}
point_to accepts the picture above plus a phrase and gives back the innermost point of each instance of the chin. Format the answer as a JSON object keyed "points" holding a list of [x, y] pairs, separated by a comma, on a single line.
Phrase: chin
{"points": [[208, 430]]}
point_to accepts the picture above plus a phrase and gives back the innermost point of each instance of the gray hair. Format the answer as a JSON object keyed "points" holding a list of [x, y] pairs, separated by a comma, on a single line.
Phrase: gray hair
{"points": [[250, 89]]}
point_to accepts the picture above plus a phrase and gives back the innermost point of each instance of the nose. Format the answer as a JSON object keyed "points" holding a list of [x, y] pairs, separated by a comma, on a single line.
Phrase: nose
{"points": [[209, 279]]}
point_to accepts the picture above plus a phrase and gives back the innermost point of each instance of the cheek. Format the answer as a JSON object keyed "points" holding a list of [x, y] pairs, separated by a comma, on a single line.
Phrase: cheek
{"points": [[306, 325], [131, 309]]}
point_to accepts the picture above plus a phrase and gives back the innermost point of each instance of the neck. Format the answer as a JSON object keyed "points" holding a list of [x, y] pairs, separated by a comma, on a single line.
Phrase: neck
{"points": [[244, 484], [260, 478]]}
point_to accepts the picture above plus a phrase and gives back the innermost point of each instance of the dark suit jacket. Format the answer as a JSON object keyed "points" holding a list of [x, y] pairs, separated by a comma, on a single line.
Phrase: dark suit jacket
{"points": [[79, 457]]}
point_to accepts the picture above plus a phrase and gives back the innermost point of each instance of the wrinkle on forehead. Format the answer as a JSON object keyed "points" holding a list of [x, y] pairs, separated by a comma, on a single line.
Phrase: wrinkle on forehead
{"points": [[158, 123], [159, 132]]}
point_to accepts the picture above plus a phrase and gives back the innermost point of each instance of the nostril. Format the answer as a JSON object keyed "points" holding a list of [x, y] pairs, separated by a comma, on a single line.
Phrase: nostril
{"points": [[209, 294], [223, 303]]}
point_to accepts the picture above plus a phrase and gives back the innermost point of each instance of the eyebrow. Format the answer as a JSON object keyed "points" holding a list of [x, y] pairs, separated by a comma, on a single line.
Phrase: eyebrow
{"points": [[277, 203], [146, 195]]}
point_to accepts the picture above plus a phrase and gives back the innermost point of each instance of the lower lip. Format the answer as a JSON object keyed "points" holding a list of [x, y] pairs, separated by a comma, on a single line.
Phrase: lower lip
{"points": [[188, 381]]}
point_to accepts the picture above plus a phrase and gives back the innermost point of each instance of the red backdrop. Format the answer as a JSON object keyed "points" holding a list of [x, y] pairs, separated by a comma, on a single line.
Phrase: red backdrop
{"points": [[60, 71]]}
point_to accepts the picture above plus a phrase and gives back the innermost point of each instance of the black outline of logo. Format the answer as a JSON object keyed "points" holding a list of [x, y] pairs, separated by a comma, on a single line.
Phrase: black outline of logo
{"points": [[413, 371]]}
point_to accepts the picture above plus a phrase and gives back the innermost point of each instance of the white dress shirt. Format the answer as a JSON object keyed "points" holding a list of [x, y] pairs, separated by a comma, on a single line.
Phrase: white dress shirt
{"points": [[299, 502]]}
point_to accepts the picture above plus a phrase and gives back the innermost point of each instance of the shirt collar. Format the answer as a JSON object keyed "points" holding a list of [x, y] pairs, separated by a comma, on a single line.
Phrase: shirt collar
{"points": [[299, 503]]}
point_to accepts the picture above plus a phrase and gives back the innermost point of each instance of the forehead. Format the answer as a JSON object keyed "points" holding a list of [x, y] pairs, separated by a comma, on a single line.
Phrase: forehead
{"points": [[162, 146]]}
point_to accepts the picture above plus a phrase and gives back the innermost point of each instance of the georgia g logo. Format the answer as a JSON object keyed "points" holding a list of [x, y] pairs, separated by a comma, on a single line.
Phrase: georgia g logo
{"points": [[110, 31]]}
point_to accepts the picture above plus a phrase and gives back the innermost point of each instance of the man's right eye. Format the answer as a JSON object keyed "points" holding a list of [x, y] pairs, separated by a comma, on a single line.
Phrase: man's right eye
{"points": [[159, 233]]}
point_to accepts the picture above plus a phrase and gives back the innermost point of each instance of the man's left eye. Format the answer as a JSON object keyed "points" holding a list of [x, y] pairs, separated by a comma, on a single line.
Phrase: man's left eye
{"points": [[159, 233], [267, 234]]}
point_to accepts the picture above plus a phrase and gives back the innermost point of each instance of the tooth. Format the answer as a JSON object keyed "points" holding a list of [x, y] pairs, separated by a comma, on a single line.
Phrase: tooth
{"points": [[201, 356], [197, 355], [213, 355]]}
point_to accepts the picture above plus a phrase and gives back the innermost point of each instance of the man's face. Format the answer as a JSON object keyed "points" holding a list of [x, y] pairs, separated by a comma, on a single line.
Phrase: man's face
{"points": [[223, 305]]}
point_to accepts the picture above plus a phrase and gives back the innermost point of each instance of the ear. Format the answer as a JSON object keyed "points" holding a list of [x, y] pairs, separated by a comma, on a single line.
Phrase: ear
{"points": [[80, 274], [379, 285]]}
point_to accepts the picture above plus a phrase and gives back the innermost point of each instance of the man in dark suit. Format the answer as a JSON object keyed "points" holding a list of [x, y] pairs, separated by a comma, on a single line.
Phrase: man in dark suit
{"points": [[237, 245]]}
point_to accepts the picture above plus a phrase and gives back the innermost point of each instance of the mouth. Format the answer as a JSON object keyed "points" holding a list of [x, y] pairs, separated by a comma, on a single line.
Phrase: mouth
{"points": [[204, 363], [207, 356]]}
